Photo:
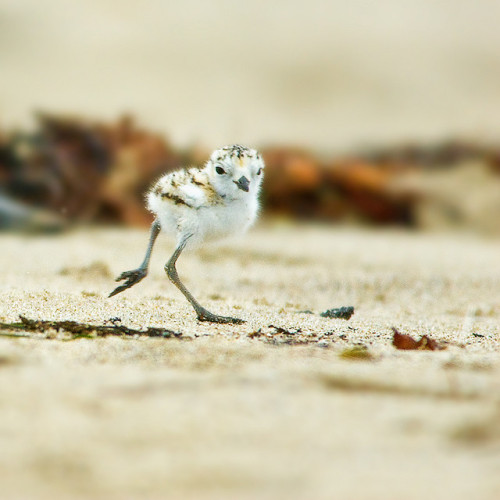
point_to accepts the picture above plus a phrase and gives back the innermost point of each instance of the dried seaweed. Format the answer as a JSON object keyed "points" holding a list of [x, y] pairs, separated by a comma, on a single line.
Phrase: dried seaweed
{"points": [[98, 172], [278, 335], [79, 330]]}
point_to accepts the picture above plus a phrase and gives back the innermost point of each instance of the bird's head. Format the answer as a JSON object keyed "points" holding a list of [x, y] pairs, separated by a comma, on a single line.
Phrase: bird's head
{"points": [[236, 171]]}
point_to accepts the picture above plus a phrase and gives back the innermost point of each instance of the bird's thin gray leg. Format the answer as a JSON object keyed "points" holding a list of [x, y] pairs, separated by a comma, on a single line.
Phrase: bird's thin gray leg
{"points": [[133, 277], [202, 313]]}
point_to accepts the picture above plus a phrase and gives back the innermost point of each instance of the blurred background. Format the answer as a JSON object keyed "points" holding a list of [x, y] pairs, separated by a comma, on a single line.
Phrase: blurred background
{"points": [[367, 112]]}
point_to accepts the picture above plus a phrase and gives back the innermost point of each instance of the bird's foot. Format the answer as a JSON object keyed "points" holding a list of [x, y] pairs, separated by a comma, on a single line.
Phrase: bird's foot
{"points": [[204, 315], [133, 277]]}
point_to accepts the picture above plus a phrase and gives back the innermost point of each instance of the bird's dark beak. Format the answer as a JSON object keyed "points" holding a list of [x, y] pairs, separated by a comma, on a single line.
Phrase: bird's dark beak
{"points": [[243, 183]]}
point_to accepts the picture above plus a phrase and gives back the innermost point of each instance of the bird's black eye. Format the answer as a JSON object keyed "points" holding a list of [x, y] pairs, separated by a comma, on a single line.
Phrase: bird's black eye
{"points": [[220, 170], [259, 171]]}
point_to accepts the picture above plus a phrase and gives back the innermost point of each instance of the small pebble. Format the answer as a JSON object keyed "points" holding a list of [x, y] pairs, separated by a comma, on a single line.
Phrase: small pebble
{"points": [[341, 313]]}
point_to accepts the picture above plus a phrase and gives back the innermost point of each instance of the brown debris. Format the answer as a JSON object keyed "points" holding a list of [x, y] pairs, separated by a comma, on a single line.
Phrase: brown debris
{"points": [[281, 330], [408, 343], [86, 171], [299, 184]]}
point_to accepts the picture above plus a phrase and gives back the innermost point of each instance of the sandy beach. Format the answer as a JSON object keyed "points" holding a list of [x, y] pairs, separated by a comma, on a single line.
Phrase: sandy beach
{"points": [[290, 404], [278, 407]]}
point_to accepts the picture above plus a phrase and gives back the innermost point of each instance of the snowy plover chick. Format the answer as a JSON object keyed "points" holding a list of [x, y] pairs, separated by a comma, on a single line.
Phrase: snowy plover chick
{"points": [[200, 204]]}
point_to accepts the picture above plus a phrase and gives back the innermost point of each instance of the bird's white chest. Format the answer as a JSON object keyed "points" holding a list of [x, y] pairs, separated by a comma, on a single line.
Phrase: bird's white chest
{"points": [[226, 219]]}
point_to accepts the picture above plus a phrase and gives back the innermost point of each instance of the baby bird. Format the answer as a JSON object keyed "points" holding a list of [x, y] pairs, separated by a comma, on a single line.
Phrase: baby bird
{"points": [[198, 204]]}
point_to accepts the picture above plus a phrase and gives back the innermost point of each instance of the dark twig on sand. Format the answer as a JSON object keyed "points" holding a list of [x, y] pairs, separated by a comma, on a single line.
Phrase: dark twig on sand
{"points": [[77, 330]]}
